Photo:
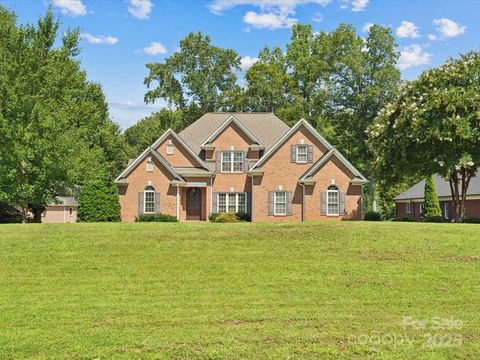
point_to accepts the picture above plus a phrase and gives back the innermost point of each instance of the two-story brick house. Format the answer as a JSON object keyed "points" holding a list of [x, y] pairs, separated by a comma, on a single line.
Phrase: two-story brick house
{"points": [[242, 162]]}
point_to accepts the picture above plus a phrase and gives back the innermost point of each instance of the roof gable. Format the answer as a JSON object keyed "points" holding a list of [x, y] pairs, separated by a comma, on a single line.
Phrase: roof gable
{"points": [[183, 143], [141, 157], [231, 119], [287, 135], [333, 152]]}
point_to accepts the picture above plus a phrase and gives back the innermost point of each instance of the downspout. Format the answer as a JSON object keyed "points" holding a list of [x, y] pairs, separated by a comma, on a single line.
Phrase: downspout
{"points": [[303, 201], [211, 193], [178, 203], [251, 205], [64, 221]]}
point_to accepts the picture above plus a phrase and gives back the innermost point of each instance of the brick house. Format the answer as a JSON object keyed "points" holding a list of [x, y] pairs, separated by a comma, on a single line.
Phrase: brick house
{"points": [[242, 162], [410, 202]]}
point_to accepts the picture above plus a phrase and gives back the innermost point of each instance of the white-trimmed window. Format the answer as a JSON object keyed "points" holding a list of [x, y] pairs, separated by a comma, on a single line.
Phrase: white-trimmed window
{"points": [[421, 209], [149, 165], [280, 203], [408, 207], [170, 149], [236, 202], [232, 161], [149, 200], [333, 201], [301, 154], [445, 211]]}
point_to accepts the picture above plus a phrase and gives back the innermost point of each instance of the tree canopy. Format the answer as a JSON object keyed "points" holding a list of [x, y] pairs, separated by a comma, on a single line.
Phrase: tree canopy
{"points": [[54, 127], [196, 78], [433, 128]]}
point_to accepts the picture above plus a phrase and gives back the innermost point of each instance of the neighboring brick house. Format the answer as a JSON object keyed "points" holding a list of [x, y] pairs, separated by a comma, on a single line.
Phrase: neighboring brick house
{"points": [[242, 162], [410, 202]]}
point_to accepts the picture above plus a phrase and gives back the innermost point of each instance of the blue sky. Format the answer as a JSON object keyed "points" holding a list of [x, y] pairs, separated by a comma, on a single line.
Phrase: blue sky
{"points": [[120, 36]]}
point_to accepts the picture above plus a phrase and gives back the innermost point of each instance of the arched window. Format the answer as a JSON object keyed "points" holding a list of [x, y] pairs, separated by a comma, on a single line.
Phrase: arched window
{"points": [[149, 200], [333, 200]]}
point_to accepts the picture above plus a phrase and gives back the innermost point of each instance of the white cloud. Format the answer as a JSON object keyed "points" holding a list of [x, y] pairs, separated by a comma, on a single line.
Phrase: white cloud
{"points": [[359, 5], [246, 62], [99, 39], [70, 7], [140, 9], [318, 18], [155, 48], [354, 5], [132, 105], [285, 6], [268, 20], [273, 14], [366, 27], [413, 55], [407, 30], [432, 37], [449, 28]]}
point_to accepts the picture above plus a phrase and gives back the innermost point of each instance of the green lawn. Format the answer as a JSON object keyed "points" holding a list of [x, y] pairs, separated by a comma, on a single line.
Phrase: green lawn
{"points": [[303, 290]]}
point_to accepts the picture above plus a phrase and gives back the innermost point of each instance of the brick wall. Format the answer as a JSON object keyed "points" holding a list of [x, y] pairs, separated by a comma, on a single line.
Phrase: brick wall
{"points": [[279, 171], [138, 179]]}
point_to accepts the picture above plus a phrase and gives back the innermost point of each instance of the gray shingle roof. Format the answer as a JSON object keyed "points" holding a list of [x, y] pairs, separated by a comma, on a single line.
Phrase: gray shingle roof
{"points": [[183, 171], [266, 127], [442, 186]]}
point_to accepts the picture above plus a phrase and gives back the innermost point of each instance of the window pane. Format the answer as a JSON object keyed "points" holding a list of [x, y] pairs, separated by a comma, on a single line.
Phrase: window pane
{"points": [[222, 201], [333, 206], [149, 200], [242, 204], [301, 153], [238, 161], [226, 162], [231, 202], [280, 203]]}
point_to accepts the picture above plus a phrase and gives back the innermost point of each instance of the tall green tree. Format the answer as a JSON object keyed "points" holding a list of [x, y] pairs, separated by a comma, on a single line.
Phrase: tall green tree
{"points": [[363, 80], [54, 126], [195, 79], [270, 87], [431, 205], [433, 128]]}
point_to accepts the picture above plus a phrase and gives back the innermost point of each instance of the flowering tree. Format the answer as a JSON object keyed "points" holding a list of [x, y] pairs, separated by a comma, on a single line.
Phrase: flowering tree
{"points": [[433, 127]]}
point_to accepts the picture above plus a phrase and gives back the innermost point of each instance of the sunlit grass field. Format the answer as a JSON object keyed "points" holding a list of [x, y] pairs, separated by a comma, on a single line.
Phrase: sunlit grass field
{"points": [[302, 290]]}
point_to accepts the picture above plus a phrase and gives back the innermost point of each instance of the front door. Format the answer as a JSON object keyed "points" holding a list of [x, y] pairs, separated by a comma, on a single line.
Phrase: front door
{"points": [[194, 204]]}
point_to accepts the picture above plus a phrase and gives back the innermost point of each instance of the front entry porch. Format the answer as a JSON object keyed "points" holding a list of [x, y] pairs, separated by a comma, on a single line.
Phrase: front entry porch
{"points": [[193, 201]]}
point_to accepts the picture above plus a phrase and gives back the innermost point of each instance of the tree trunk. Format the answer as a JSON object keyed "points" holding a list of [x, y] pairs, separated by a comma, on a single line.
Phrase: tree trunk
{"points": [[459, 196], [37, 211], [24, 213], [372, 193]]}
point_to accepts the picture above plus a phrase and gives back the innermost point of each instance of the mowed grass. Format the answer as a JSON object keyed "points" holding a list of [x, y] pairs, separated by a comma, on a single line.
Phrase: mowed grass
{"points": [[195, 290]]}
